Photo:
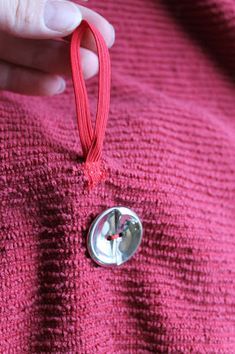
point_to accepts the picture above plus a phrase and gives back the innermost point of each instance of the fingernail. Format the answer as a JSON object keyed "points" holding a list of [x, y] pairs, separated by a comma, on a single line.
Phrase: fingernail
{"points": [[61, 16], [61, 87]]}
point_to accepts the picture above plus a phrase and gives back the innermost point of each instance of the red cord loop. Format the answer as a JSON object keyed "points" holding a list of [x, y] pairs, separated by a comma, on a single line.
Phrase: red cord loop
{"points": [[91, 139]]}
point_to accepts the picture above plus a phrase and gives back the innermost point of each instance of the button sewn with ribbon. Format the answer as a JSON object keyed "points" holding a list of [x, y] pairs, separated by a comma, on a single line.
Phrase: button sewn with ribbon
{"points": [[115, 235]]}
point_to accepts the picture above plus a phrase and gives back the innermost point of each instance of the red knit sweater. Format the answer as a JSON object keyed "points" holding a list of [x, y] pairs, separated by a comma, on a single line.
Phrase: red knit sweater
{"points": [[170, 152]]}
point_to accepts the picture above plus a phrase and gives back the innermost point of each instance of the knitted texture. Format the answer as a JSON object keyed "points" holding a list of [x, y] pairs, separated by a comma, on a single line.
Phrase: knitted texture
{"points": [[169, 150]]}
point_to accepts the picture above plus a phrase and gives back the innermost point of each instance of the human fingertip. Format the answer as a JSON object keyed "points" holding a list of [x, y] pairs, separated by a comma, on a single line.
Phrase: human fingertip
{"points": [[112, 36], [51, 85], [90, 63], [61, 85], [61, 16]]}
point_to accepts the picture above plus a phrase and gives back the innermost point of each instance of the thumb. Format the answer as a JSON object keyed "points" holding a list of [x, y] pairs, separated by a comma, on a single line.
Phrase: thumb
{"points": [[39, 18]]}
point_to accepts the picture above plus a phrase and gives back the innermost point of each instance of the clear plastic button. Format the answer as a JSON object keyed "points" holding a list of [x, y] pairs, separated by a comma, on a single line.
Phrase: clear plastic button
{"points": [[114, 236]]}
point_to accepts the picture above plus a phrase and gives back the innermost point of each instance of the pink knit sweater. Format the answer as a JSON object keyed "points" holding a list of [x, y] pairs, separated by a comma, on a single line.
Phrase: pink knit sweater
{"points": [[170, 151]]}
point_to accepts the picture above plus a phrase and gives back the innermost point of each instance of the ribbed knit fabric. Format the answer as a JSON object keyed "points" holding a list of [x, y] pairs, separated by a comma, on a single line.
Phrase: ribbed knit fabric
{"points": [[170, 150]]}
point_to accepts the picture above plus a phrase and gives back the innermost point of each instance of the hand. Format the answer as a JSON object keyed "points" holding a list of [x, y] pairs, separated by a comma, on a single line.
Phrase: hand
{"points": [[33, 60]]}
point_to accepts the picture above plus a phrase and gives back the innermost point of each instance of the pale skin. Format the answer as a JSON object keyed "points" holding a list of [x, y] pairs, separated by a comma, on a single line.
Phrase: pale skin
{"points": [[32, 59]]}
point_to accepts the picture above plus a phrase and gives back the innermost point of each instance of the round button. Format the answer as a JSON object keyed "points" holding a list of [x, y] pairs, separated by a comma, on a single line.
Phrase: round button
{"points": [[114, 236]]}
